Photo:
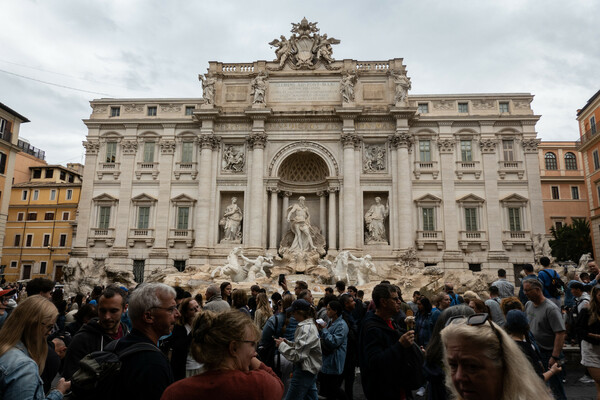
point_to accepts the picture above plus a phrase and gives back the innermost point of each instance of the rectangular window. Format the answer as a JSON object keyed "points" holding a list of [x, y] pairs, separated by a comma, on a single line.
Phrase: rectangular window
{"points": [[508, 150], [53, 194], [49, 173], [63, 175], [503, 107], [32, 216], [475, 267], [187, 151], [2, 163], [558, 225], [17, 240], [423, 108], [428, 222], [471, 219], [69, 194], [466, 151], [179, 264], [115, 111], [36, 194], [183, 214], [46, 240], [104, 217], [37, 173], [575, 192], [111, 152], [189, 110], [152, 111], [555, 192], [593, 125], [71, 178], [65, 216], [49, 216], [463, 107], [138, 270], [149, 152], [29, 240], [596, 160], [20, 216], [514, 219], [63, 240], [424, 150], [143, 217], [43, 266], [14, 264], [24, 194]]}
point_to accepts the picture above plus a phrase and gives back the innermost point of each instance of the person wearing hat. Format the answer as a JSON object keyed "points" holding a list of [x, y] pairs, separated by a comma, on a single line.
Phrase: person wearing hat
{"points": [[304, 352], [517, 326], [5, 306]]}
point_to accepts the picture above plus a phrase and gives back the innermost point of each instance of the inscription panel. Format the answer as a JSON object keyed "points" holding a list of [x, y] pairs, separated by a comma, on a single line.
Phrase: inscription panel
{"points": [[373, 91], [304, 91], [236, 93]]}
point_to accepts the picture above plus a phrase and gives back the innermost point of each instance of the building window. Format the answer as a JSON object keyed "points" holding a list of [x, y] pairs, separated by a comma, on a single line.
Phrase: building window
{"points": [[425, 150], [575, 192], [558, 225], [14, 264], [17, 240], [428, 219], [62, 240], [32, 216], [555, 192], [46, 240], [20, 216], [115, 111], [423, 108], [179, 264], [53, 194], [550, 161], [65, 216], [138, 270], [189, 110], [2, 163], [593, 125], [466, 150], [37, 173], [149, 152], [49, 216], [570, 161], [49, 173], [596, 160], [143, 217], [71, 178], [36, 194], [63, 175], [111, 152], [24, 195], [508, 150], [471, 219], [29, 240], [475, 267], [187, 152], [43, 266], [514, 219], [69, 194], [183, 214], [152, 111], [104, 217], [503, 107], [463, 107]]}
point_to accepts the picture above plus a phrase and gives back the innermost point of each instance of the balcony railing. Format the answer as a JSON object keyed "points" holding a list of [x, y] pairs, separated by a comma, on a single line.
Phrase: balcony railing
{"points": [[509, 238], [145, 235], [588, 136], [181, 235], [432, 237], [29, 149], [6, 135]]}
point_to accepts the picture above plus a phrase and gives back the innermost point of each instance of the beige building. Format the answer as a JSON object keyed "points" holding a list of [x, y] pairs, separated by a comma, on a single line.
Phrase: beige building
{"points": [[457, 174]]}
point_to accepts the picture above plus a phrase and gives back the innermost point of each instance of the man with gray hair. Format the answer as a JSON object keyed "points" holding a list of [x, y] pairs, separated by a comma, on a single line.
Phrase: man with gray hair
{"points": [[146, 374], [214, 301]]}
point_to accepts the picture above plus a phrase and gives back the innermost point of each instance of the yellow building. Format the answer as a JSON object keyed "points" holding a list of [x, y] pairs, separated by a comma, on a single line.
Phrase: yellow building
{"points": [[41, 222]]}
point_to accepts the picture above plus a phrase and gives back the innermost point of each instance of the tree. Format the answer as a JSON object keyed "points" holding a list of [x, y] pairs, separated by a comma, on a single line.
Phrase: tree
{"points": [[571, 241]]}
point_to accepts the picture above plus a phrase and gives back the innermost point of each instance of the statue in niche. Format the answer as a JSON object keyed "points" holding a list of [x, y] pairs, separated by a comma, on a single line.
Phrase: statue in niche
{"points": [[362, 267], [259, 88], [374, 159], [403, 85], [374, 220], [233, 159], [231, 223], [208, 88], [347, 87], [299, 219]]}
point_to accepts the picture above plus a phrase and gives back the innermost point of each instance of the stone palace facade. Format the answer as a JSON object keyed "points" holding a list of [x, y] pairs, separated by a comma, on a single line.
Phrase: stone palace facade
{"points": [[181, 182]]}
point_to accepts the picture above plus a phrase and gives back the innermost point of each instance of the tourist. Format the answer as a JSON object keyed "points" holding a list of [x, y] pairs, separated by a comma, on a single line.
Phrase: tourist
{"points": [[239, 301], [454, 298], [506, 288], [254, 291], [263, 311], [340, 286], [423, 321], [485, 363], [478, 306], [511, 303], [225, 292], [304, 352], [413, 304], [276, 302], [98, 332], [529, 274], [351, 362], [83, 315], [300, 286], [182, 362], [199, 299], [23, 351], [5, 309], [334, 341], [322, 307], [41, 286], [214, 301], [588, 330], [493, 304], [546, 276], [226, 344]]}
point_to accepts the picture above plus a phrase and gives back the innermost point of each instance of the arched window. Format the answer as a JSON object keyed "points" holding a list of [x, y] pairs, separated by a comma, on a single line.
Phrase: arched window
{"points": [[570, 161], [550, 161]]}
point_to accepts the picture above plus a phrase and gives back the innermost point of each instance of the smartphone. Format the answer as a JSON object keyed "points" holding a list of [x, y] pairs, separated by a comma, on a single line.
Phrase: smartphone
{"points": [[281, 278]]}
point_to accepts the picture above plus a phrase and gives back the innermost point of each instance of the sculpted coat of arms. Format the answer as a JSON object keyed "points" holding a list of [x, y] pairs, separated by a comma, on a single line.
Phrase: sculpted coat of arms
{"points": [[305, 48]]}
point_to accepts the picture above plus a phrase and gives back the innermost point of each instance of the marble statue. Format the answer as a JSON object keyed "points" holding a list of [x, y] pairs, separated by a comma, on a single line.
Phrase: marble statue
{"points": [[233, 159], [347, 87], [403, 85], [374, 220], [256, 268], [208, 88], [284, 50], [541, 247], [374, 160], [233, 268], [362, 266], [584, 260], [231, 223], [299, 219], [323, 48], [259, 88], [340, 267]]}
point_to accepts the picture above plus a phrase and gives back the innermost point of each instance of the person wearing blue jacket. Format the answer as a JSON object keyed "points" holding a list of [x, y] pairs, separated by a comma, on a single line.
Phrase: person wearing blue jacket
{"points": [[334, 341]]}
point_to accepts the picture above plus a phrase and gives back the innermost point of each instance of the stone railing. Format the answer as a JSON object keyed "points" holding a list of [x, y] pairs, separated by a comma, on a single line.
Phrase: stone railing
{"points": [[373, 66], [239, 68]]}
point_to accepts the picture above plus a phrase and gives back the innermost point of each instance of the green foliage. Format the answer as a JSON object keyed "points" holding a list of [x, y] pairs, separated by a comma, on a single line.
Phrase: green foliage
{"points": [[571, 241]]}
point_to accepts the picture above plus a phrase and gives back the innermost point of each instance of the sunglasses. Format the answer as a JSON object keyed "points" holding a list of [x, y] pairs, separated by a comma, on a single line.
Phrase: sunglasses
{"points": [[478, 320]]}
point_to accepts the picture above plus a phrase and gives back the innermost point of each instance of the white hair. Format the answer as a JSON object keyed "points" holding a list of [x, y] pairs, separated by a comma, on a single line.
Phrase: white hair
{"points": [[146, 296]]}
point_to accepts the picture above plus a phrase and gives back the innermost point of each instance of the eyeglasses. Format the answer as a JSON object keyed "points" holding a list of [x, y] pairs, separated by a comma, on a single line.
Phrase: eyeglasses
{"points": [[478, 320], [170, 310]]}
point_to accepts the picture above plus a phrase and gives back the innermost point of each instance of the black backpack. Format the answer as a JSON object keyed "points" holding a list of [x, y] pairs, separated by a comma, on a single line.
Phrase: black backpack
{"points": [[98, 371], [267, 351], [556, 286]]}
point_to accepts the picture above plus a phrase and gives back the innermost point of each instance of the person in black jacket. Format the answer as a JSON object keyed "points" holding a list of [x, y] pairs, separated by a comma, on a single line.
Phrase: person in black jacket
{"points": [[348, 303], [384, 348], [182, 363]]}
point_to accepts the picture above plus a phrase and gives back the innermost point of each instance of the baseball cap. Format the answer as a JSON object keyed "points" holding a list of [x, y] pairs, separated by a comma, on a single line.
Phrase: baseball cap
{"points": [[299, 305], [7, 292]]}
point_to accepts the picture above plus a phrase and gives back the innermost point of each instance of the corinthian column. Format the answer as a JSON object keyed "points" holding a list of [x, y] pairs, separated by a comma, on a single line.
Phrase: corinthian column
{"points": [[257, 141], [273, 220], [402, 141], [207, 143], [332, 223], [349, 140]]}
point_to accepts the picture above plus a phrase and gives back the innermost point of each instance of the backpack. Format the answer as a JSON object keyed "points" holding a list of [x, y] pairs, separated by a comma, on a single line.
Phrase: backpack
{"points": [[454, 299], [98, 371], [267, 351], [556, 286]]}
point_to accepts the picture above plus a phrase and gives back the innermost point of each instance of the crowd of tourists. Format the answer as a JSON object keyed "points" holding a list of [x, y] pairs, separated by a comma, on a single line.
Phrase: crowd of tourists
{"points": [[160, 342]]}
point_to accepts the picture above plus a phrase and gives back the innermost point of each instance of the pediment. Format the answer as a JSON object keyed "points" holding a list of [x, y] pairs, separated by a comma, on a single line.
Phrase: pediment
{"points": [[183, 198], [514, 198], [429, 198], [143, 198], [105, 197], [470, 198]]}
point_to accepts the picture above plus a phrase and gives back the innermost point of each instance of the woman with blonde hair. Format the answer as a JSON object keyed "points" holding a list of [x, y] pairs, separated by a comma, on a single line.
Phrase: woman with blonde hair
{"points": [[226, 344], [263, 310], [483, 362], [23, 351], [588, 329], [182, 362]]}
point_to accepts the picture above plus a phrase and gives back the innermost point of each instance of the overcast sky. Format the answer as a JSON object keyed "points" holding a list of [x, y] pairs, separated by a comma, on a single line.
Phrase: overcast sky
{"points": [[151, 48]]}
